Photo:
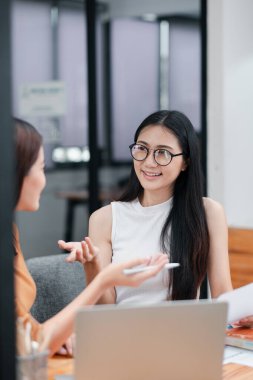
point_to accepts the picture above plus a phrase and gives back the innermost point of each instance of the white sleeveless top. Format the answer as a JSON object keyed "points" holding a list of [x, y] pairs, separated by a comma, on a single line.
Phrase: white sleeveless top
{"points": [[136, 233]]}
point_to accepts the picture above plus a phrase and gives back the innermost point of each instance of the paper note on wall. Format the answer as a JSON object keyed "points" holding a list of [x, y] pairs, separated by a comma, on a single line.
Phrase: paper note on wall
{"points": [[43, 99]]}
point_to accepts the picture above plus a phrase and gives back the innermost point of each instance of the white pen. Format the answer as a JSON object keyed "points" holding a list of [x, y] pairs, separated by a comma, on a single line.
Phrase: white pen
{"points": [[149, 267]]}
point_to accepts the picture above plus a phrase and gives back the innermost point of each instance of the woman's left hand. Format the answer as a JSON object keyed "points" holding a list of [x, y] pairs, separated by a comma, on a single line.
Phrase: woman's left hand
{"points": [[157, 258], [113, 274]]}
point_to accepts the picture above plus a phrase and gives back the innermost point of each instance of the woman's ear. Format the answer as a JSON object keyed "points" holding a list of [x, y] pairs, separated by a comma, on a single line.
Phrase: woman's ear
{"points": [[185, 165]]}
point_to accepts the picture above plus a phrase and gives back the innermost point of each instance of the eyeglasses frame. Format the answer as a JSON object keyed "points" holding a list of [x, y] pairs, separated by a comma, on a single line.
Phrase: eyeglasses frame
{"points": [[154, 151]]}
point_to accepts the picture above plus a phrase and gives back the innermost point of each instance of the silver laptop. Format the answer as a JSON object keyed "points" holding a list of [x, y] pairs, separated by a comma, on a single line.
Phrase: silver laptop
{"points": [[177, 341]]}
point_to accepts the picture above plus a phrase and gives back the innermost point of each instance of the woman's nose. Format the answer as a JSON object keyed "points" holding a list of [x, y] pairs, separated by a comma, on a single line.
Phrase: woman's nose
{"points": [[150, 160]]}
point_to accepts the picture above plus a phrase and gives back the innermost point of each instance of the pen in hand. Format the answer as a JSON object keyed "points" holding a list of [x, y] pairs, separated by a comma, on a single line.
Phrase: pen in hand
{"points": [[148, 267]]}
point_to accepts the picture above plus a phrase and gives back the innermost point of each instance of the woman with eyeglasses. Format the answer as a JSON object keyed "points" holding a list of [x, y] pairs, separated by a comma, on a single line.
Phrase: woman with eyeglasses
{"points": [[162, 210]]}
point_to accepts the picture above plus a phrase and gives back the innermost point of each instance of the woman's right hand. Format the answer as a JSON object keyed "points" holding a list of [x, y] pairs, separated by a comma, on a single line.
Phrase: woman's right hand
{"points": [[83, 251], [244, 322], [113, 274]]}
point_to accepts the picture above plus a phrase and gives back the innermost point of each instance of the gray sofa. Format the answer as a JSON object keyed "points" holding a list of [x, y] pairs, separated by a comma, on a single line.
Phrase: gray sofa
{"points": [[57, 284]]}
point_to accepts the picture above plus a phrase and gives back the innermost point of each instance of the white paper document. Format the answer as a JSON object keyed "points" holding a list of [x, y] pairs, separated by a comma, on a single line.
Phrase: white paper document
{"points": [[240, 302], [238, 356]]}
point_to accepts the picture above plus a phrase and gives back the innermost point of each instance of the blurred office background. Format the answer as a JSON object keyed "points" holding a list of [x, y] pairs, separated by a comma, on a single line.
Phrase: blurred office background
{"points": [[149, 55]]}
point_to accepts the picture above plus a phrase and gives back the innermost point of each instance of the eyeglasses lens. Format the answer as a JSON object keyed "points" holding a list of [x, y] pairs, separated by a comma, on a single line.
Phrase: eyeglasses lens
{"points": [[139, 152], [162, 157]]}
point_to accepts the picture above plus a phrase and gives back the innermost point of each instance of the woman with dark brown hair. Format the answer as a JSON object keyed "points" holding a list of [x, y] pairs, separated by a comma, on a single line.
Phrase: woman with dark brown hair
{"points": [[163, 209], [30, 181]]}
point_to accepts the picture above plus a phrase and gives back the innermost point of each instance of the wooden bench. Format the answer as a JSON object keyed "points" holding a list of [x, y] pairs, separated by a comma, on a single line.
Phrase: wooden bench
{"points": [[240, 246]]}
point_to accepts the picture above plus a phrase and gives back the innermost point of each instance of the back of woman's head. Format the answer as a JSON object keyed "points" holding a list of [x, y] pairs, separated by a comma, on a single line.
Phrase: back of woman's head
{"points": [[28, 142]]}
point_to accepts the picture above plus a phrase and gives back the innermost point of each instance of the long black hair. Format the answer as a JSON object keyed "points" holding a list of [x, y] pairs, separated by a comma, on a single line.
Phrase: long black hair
{"points": [[185, 234]]}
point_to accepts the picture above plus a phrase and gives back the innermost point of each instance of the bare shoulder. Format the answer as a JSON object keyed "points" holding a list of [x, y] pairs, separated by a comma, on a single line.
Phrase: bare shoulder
{"points": [[214, 211], [102, 215], [212, 206]]}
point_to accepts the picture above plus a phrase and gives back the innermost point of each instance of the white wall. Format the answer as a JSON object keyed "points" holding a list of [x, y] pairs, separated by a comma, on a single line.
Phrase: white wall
{"points": [[230, 108]]}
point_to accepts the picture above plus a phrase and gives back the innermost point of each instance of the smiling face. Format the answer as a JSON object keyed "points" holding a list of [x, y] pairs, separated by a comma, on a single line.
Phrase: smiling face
{"points": [[158, 181], [33, 184]]}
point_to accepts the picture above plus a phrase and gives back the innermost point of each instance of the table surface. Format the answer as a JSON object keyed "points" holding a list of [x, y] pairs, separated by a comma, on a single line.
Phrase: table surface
{"points": [[59, 365]]}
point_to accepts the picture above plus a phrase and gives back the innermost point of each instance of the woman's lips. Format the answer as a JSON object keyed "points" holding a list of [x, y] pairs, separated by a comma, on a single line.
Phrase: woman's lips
{"points": [[151, 175]]}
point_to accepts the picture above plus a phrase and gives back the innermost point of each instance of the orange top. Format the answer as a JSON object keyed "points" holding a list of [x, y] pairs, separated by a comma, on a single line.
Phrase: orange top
{"points": [[25, 288]]}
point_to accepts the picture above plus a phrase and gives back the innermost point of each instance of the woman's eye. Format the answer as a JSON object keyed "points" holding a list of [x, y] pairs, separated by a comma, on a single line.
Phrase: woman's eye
{"points": [[164, 153]]}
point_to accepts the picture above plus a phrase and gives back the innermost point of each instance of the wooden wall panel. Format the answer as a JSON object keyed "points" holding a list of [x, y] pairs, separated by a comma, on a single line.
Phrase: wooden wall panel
{"points": [[240, 245]]}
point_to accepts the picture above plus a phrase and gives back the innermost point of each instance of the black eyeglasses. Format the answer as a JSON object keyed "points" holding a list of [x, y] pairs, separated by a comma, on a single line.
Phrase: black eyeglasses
{"points": [[162, 156]]}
